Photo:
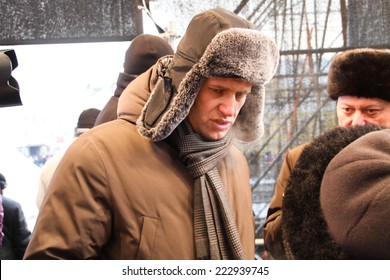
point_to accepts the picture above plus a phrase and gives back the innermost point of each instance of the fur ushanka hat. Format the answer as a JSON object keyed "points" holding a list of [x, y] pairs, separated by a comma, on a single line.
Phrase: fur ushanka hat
{"points": [[360, 72], [217, 43], [305, 232], [355, 197]]}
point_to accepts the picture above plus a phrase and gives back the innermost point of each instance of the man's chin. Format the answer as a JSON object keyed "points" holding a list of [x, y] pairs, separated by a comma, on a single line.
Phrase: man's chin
{"points": [[215, 136]]}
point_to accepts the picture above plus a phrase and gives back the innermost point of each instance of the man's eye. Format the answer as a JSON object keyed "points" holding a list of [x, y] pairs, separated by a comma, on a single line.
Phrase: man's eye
{"points": [[372, 111], [216, 90], [241, 95], [347, 110]]}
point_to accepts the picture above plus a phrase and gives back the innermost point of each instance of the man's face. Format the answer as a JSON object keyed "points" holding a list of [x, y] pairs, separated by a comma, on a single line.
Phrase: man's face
{"points": [[353, 110], [217, 105]]}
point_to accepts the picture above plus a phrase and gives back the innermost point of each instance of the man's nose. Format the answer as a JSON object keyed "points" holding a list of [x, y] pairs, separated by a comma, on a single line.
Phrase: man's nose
{"points": [[227, 106], [358, 118]]}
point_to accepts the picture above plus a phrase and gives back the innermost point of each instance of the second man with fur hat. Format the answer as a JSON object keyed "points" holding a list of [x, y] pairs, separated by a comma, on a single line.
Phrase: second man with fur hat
{"points": [[164, 181], [359, 81]]}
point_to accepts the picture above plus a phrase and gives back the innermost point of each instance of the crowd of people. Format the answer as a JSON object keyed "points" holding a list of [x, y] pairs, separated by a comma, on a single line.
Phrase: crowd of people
{"points": [[155, 174]]}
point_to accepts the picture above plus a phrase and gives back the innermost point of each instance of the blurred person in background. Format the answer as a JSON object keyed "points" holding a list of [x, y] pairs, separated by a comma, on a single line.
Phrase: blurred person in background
{"points": [[15, 230], [9, 96], [142, 53], [85, 122]]}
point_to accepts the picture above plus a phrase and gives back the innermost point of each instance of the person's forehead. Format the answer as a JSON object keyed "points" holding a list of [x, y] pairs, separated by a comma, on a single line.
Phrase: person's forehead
{"points": [[362, 101], [227, 80]]}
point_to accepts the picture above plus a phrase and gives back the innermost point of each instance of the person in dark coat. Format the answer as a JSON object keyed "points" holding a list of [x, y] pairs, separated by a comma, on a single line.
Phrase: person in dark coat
{"points": [[16, 233], [142, 53], [335, 205]]}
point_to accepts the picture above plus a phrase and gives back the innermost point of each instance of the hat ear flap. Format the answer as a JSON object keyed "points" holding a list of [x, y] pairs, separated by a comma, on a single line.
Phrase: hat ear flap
{"points": [[249, 124]]}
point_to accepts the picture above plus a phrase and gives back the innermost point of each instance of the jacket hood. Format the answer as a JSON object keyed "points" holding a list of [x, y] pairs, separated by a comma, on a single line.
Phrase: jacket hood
{"points": [[232, 48], [134, 97], [305, 231], [109, 111]]}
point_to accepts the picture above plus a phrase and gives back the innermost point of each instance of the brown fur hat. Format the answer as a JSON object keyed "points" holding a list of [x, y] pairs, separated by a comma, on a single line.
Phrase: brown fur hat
{"points": [[355, 197], [361, 72]]}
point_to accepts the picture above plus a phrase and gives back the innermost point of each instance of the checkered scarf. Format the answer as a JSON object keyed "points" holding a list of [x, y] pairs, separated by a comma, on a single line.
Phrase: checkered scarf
{"points": [[216, 234]]}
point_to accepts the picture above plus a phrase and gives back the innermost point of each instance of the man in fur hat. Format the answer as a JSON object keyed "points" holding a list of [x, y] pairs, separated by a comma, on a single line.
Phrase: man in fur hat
{"points": [[164, 181], [358, 81]]}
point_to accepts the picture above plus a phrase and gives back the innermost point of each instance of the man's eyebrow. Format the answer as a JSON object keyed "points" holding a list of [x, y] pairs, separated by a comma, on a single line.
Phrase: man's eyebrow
{"points": [[365, 106]]}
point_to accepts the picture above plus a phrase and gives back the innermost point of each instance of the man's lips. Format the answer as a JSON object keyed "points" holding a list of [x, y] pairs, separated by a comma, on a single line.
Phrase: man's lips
{"points": [[222, 124]]}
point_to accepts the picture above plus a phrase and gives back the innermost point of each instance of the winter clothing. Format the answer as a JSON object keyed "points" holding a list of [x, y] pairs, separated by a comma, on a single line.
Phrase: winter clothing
{"points": [[360, 72], [273, 241], [47, 172], [149, 197], [142, 53], [137, 200], [16, 232], [85, 122], [236, 52], [304, 230], [356, 184], [201, 158], [240, 58]]}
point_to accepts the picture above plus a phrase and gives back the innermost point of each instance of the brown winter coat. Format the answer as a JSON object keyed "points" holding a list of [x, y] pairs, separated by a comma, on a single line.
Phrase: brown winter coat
{"points": [[118, 195], [272, 227]]}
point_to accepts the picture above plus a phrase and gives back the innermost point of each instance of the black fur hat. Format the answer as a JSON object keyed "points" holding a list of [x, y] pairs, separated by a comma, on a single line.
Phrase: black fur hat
{"points": [[360, 72]]}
